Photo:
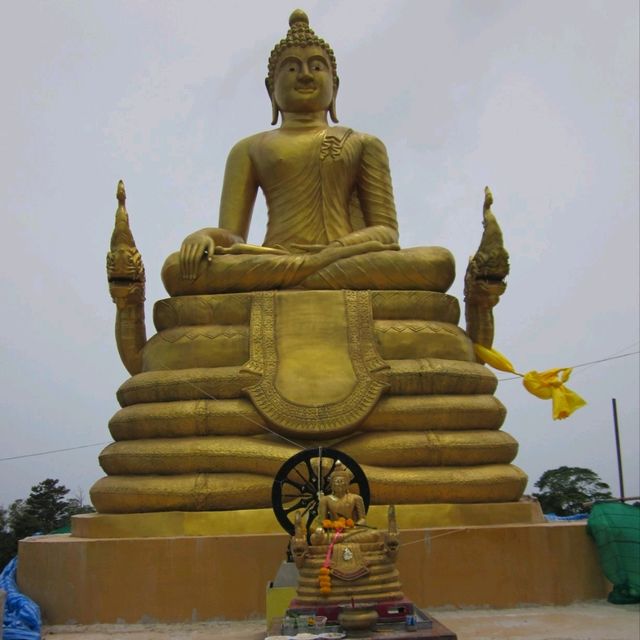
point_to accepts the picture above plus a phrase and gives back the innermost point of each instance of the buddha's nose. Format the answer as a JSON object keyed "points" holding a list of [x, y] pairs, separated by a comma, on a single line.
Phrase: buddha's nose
{"points": [[305, 76]]}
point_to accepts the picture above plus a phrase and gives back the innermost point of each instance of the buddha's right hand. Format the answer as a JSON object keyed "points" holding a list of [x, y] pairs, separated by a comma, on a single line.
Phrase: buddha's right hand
{"points": [[194, 247]]}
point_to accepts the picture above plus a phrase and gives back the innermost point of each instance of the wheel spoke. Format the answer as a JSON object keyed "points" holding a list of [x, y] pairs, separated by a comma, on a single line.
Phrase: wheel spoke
{"points": [[295, 507], [313, 477], [293, 483]]}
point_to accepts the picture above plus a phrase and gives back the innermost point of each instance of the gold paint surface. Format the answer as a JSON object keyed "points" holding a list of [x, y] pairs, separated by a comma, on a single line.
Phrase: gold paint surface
{"points": [[197, 347], [174, 523], [389, 485], [192, 492], [415, 305], [184, 418], [416, 339], [251, 521], [182, 384], [235, 308], [302, 335], [176, 456], [345, 373], [431, 448], [481, 483], [427, 376], [230, 308], [433, 376], [265, 454], [423, 412]]}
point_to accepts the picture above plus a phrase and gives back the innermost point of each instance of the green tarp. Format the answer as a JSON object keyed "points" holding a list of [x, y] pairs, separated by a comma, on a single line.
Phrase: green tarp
{"points": [[615, 527]]}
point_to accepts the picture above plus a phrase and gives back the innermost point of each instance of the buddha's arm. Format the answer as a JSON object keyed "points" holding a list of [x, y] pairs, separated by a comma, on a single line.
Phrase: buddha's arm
{"points": [[238, 191], [375, 192], [359, 513], [236, 206], [323, 511]]}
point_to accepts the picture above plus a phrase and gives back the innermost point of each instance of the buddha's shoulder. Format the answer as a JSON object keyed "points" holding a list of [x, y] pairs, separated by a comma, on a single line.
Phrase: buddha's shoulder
{"points": [[247, 146], [360, 137]]}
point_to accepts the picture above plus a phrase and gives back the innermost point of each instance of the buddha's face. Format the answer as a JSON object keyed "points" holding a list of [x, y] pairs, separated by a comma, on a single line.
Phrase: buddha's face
{"points": [[303, 80], [339, 486]]}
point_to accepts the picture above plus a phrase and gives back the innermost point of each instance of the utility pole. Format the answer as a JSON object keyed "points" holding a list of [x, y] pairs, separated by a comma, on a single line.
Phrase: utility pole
{"points": [[617, 432]]}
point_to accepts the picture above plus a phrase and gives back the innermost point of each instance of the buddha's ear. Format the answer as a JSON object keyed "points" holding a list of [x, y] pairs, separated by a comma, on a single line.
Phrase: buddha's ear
{"points": [[332, 106], [274, 107]]}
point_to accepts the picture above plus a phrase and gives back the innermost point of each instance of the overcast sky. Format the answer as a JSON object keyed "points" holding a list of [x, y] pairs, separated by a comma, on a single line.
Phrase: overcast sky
{"points": [[538, 99]]}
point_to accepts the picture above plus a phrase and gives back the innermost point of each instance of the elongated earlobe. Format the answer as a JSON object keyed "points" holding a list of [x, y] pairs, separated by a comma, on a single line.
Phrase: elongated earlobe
{"points": [[332, 106], [274, 107], [332, 111]]}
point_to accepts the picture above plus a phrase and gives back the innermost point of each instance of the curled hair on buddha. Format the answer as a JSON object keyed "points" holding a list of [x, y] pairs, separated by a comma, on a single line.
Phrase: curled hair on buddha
{"points": [[340, 471], [300, 34]]}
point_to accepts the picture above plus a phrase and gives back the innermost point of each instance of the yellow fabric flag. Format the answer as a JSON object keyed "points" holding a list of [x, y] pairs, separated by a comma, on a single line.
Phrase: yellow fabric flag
{"points": [[545, 384], [550, 384], [494, 359]]}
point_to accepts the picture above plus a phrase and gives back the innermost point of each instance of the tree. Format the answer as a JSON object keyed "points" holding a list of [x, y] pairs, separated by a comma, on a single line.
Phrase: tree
{"points": [[21, 522], [7, 541], [45, 510], [566, 490], [77, 504], [47, 504]]}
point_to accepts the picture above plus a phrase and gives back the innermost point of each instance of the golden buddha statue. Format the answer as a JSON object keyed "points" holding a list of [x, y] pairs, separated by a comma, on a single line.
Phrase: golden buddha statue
{"points": [[346, 560], [328, 334], [331, 214]]}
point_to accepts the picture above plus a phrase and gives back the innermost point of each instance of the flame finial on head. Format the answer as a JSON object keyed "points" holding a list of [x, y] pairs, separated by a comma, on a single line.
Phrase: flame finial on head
{"points": [[298, 15], [341, 471]]}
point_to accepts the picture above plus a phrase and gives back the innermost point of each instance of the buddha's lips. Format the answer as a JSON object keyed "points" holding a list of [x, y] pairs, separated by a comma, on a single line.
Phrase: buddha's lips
{"points": [[305, 89]]}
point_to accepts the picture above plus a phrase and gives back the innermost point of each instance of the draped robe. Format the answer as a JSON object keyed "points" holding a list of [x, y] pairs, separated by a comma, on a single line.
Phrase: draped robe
{"points": [[330, 186]]}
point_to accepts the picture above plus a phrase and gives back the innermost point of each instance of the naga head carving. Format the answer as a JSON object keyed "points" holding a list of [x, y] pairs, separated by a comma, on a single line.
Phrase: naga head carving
{"points": [[125, 269]]}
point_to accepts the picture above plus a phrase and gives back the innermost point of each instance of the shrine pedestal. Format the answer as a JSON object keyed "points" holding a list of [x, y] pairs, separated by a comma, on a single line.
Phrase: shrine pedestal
{"points": [[200, 577]]}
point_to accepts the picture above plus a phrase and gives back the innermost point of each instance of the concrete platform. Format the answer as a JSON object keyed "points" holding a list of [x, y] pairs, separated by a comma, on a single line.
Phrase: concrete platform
{"points": [[585, 621], [201, 578]]}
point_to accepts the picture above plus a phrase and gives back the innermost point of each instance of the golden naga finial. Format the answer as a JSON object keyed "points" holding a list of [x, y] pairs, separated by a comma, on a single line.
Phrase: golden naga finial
{"points": [[484, 280], [121, 194], [126, 278], [122, 236]]}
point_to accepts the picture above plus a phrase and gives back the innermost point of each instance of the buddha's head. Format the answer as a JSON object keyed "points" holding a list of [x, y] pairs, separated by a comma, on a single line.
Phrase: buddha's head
{"points": [[302, 73], [340, 480]]}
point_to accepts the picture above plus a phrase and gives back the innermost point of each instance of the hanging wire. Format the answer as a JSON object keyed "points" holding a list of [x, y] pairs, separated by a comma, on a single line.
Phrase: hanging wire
{"points": [[584, 364], [297, 444], [44, 453]]}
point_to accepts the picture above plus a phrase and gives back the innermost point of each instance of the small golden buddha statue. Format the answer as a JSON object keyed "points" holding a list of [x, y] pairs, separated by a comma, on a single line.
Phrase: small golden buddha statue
{"points": [[331, 214], [346, 559], [340, 506]]}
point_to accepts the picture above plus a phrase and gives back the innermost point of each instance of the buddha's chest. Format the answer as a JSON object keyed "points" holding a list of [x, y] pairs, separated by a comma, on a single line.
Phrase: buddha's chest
{"points": [[283, 158], [341, 506]]}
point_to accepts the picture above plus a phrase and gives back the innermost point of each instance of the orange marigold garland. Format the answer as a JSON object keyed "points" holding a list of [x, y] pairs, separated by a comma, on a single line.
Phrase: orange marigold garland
{"points": [[324, 575]]}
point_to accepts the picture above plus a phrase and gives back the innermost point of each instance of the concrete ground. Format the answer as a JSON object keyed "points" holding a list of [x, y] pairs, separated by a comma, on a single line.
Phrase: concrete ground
{"points": [[585, 621]]}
